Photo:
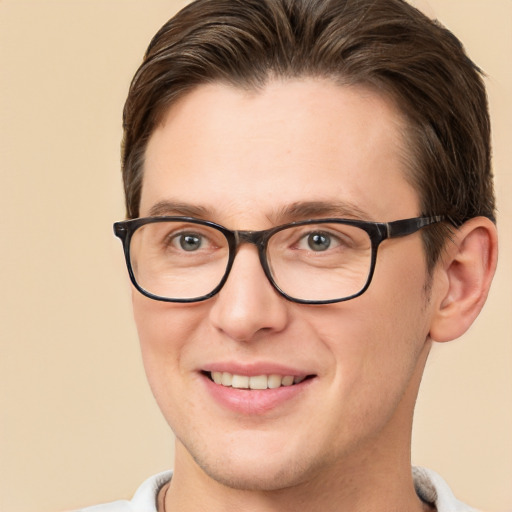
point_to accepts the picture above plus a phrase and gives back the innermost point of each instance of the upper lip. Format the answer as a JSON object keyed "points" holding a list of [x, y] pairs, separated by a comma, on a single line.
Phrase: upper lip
{"points": [[255, 369]]}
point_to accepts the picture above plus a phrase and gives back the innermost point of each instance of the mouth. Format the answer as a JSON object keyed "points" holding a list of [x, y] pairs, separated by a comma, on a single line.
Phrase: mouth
{"points": [[255, 382]]}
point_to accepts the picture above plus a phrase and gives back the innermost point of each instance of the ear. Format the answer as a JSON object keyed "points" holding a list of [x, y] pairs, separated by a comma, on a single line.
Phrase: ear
{"points": [[462, 278]]}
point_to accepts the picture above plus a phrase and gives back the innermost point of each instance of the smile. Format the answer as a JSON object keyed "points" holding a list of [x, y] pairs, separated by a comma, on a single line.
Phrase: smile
{"points": [[255, 390], [273, 381]]}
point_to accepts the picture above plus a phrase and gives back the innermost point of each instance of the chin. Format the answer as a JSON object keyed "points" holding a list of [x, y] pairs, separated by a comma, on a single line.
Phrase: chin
{"points": [[260, 477], [259, 467]]}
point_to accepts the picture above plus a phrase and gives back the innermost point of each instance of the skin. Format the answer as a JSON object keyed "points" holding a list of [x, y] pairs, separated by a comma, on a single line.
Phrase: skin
{"points": [[343, 443]]}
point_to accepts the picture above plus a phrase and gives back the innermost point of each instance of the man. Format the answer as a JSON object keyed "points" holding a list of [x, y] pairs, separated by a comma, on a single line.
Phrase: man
{"points": [[310, 206]]}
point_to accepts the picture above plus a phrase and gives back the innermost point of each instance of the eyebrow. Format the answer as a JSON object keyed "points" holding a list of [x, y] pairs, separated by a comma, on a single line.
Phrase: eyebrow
{"points": [[299, 210], [181, 209], [302, 210]]}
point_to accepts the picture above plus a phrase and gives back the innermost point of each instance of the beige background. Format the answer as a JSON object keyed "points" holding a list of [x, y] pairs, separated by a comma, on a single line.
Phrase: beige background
{"points": [[77, 422]]}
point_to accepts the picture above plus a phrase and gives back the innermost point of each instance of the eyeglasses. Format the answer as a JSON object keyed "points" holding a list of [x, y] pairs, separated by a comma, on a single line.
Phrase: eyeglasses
{"points": [[183, 259]]}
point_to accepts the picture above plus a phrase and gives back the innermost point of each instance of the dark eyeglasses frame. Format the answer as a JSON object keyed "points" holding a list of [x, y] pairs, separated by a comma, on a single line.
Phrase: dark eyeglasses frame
{"points": [[377, 231]]}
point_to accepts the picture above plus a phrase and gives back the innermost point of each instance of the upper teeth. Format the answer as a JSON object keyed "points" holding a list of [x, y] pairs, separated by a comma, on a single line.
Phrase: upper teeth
{"points": [[254, 382]]}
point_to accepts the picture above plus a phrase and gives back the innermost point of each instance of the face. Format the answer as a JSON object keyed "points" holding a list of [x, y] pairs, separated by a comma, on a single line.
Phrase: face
{"points": [[250, 161]]}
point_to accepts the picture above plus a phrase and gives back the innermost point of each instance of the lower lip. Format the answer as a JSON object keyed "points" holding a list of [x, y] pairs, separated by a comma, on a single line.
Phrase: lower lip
{"points": [[254, 401]]}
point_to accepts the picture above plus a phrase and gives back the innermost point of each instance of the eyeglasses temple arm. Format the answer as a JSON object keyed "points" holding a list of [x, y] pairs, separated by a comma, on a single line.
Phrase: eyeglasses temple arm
{"points": [[408, 226]]}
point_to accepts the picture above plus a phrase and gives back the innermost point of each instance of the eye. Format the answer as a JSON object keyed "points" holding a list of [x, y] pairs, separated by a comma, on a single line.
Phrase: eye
{"points": [[319, 241], [189, 241]]}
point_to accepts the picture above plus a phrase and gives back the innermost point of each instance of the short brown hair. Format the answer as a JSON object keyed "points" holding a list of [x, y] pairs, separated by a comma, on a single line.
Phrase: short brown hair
{"points": [[385, 44]]}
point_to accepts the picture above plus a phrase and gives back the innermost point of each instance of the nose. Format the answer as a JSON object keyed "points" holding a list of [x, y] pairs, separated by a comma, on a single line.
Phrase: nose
{"points": [[248, 305]]}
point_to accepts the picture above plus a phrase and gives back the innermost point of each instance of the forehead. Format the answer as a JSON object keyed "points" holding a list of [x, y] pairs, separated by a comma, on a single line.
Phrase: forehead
{"points": [[234, 152]]}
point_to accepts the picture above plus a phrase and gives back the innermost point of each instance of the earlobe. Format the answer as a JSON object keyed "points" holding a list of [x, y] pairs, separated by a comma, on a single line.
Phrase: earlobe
{"points": [[466, 269]]}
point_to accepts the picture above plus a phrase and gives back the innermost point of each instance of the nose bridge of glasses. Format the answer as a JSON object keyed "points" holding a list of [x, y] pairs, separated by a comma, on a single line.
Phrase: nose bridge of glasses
{"points": [[259, 239], [256, 238]]}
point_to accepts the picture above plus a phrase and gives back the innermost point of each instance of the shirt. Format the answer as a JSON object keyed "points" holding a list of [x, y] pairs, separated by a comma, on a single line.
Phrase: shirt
{"points": [[429, 486]]}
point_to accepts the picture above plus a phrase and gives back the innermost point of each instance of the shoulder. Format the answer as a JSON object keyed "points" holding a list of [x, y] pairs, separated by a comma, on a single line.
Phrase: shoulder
{"points": [[144, 499], [432, 489]]}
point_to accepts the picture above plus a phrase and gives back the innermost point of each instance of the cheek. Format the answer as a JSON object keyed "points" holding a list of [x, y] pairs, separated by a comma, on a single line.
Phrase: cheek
{"points": [[162, 326], [376, 340], [401, 324], [164, 330]]}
